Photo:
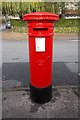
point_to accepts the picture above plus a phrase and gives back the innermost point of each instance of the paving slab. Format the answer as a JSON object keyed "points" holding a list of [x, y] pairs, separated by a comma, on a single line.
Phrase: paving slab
{"points": [[17, 104], [10, 35]]}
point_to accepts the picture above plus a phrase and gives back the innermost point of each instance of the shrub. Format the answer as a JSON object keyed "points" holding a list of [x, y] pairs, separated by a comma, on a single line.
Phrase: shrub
{"points": [[61, 26]]}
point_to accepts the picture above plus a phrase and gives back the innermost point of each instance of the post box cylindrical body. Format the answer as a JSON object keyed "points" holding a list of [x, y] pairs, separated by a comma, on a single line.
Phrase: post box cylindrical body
{"points": [[40, 34]]}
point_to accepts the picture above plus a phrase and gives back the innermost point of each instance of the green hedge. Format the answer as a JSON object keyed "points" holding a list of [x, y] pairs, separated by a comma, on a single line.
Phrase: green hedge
{"points": [[18, 23], [67, 23], [60, 23], [61, 26]]}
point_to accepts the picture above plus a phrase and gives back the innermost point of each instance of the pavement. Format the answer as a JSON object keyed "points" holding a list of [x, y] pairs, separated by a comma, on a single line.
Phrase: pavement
{"points": [[16, 102], [10, 35]]}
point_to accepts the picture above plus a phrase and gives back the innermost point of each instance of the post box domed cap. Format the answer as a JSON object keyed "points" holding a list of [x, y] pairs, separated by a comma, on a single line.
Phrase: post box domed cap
{"points": [[40, 16]]}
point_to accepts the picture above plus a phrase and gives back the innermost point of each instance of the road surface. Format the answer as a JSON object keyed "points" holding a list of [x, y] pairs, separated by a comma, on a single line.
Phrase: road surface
{"points": [[15, 69], [63, 51]]}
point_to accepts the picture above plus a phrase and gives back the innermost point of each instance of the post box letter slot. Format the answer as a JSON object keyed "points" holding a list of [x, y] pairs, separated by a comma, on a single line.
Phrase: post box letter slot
{"points": [[36, 29]]}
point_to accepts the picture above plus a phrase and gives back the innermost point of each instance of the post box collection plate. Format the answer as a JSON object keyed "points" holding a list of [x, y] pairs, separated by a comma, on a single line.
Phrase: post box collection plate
{"points": [[40, 44]]}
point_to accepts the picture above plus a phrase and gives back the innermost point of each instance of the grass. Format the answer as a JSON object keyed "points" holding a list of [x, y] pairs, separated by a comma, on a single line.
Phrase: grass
{"points": [[66, 30], [19, 29]]}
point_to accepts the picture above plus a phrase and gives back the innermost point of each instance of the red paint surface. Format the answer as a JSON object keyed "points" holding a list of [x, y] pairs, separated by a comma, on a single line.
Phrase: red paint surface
{"points": [[40, 16], [40, 62]]}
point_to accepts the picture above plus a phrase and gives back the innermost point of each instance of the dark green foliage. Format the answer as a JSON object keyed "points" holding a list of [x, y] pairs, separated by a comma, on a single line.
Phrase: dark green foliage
{"points": [[67, 23], [61, 26], [18, 23], [61, 23]]}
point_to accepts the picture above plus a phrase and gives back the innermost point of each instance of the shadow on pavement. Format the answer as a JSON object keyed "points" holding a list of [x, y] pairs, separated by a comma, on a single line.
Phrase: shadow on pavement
{"points": [[17, 75]]}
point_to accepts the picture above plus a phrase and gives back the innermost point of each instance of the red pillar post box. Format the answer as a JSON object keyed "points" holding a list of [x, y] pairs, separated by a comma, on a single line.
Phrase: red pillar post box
{"points": [[40, 34]]}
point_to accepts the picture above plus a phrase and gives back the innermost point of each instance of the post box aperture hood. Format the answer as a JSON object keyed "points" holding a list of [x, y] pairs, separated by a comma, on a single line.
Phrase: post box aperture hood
{"points": [[40, 16]]}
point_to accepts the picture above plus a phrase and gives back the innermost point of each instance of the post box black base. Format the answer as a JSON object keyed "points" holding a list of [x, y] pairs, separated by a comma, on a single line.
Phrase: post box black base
{"points": [[40, 95]]}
